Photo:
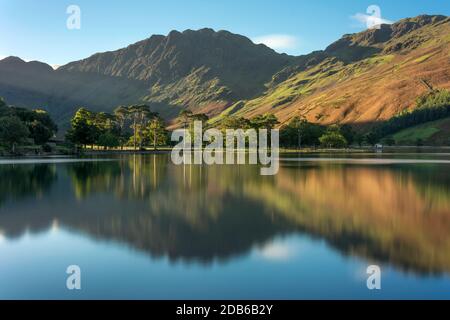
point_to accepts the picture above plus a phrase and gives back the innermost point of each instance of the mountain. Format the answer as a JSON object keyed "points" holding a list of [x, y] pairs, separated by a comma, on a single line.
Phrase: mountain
{"points": [[35, 84], [201, 69], [193, 66], [361, 78]]}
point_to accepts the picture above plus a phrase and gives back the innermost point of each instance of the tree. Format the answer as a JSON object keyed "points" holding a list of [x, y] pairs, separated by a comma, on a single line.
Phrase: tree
{"points": [[267, 121], [108, 140], [348, 133], [199, 117], [359, 139], [157, 133], [40, 133], [299, 132], [185, 116], [333, 139], [39, 123], [83, 131], [433, 105], [2, 103], [235, 123], [372, 138], [139, 114], [122, 115], [44, 118], [12, 131]]}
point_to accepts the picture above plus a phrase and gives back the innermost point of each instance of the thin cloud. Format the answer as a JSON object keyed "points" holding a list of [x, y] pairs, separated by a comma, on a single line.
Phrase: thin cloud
{"points": [[277, 41], [370, 20]]}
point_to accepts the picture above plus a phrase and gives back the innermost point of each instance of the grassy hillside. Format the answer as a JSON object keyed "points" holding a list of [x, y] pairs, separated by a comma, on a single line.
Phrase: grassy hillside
{"points": [[363, 78], [431, 133]]}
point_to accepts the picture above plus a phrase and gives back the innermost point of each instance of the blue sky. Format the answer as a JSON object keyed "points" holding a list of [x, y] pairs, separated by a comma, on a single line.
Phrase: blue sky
{"points": [[36, 30]]}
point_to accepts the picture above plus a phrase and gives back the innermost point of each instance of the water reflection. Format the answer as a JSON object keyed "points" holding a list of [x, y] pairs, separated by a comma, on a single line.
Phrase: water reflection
{"points": [[396, 214], [19, 181]]}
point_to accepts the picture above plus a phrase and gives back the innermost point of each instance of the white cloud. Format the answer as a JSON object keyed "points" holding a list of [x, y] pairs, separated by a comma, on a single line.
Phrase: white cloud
{"points": [[2, 57], [277, 41], [370, 21]]}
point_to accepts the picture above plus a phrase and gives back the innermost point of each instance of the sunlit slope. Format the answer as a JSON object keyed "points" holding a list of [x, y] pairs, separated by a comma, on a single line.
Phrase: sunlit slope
{"points": [[362, 78]]}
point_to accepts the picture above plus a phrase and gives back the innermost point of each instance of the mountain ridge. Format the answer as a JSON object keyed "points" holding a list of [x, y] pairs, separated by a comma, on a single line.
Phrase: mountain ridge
{"points": [[221, 74]]}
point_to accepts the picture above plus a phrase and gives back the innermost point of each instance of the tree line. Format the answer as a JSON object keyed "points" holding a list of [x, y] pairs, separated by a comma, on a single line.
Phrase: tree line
{"points": [[134, 125], [137, 126], [432, 106], [298, 132], [22, 126]]}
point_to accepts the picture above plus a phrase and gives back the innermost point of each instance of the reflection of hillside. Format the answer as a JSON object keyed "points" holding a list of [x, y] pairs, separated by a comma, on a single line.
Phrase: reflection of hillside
{"points": [[376, 213], [399, 215]]}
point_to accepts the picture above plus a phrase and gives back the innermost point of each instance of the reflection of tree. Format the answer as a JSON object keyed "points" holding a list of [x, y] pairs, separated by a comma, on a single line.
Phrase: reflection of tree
{"points": [[20, 181], [132, 177], [399, 215], [183, 212], [93, 177]]}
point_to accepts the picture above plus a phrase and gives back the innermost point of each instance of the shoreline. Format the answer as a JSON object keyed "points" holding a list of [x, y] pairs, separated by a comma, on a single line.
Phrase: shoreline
{"points": [[90, 153]]}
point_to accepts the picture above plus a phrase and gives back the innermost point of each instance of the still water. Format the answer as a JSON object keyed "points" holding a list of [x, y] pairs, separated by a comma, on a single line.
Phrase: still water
{"points": [[141, 227]]}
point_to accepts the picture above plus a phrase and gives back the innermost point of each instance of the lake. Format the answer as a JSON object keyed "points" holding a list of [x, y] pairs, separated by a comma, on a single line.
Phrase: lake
{"points": [[140, 227]]}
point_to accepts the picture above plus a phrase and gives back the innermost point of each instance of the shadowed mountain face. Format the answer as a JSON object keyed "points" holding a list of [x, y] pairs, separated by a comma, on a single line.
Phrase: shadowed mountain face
{"points": [[201, 69], [225, 65], [361, 78]]}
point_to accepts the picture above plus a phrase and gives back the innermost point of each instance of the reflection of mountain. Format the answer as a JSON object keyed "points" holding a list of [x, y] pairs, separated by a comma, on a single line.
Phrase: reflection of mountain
{"points": [[399, 215]]}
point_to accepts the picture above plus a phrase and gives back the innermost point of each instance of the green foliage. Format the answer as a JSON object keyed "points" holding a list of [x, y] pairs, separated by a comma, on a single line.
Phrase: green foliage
{"points": [[429, 107], [359, 139], [83, 129], [348, 133], [108, 140], [40, 127], [235, 123], [435, 99], [299, 132], [156, 132], [110, 130], [40, 133], [266, 121], [430, 133], [12, 131], [333, 139], [372, 138]]}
